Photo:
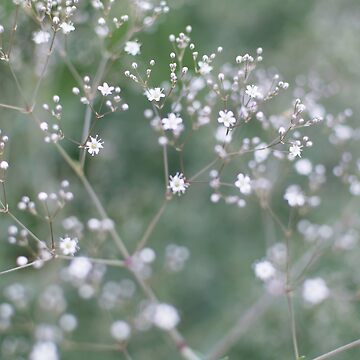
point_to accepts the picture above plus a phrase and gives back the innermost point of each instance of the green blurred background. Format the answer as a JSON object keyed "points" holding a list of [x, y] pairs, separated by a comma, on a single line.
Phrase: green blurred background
{"points": [[217, 285]]}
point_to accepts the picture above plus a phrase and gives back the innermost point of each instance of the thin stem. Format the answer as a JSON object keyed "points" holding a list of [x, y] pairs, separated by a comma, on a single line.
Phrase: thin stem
{"points": [[151, 226], [240, 328], [17, 82], [21, 267], [127, 355], [338, 350], [13, 30], [87, 119], [293, 324], [40, 242], [109, 262], [166, 166], [12, 107], [6, 205], [89, 346], [207, 167], [37, 87]]}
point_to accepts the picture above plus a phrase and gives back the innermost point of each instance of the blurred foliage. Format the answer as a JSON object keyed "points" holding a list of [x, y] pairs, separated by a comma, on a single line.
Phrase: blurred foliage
{"points": [[298, 37]]}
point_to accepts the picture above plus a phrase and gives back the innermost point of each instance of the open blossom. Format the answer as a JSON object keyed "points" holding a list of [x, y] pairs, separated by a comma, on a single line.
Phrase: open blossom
{"points": [[67, 27], [243, 182], [294, 196], [44, 350], [105, 89], [40, 37], [132, 48], [165, 316], [172, 122], [227, 118], [154, 94], [295, 150], [315, 291], [178, 184], [4, 165], [94, 145], [120, 330], [204, 68], [264, 270], [69, 246], [253, 91]]}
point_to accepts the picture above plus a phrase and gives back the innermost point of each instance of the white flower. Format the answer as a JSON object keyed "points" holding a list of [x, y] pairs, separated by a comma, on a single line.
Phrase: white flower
{"points": [[172, 122], [165, 316], [40, 37], [223, 135], [243, 182], [154, 94], [227, 118], [94, 145], [44, 350], [120, 330], [67, 27], [253, 91], [178, 184], [105, 89], [132, 48], [262, 152], [69, 246], [264, 270], [204, 68], [295, 150], [315, 291], [79, 268], [68, 322], [4, 165], [303, 167], [294, 196]]}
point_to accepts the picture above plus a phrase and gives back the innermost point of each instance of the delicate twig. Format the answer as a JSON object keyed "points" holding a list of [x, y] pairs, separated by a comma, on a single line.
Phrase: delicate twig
{"points": [[109, 262], [21, 267], [151, 226], [86, 346], [240, 328], [41, 243], [338, 350], [43, 71], [13, 30], [12, 107], [166, 166], [87, 120]]}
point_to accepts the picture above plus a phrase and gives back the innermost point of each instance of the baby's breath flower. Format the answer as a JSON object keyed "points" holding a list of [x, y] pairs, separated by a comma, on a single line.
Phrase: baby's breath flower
{"points": [[44, 350], [315, 290], [204, 68], [294, 196], [67, 27], [40, 37], [120, 330], [22, 260], [227, 118], [165, 316], [243, 182], [132, 48], [264, 270], [154, 94], [105, 89], [94, 145], [295, 150], [172, 122], [69, 246], [253, 91], [178, 184], [4, 165]]}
